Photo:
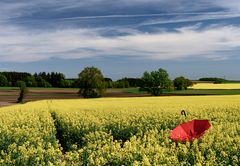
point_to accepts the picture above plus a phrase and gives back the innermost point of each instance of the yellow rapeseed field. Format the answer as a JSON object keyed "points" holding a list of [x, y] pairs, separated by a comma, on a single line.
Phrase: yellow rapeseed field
{"points": [[119, 131], [215, 86]]}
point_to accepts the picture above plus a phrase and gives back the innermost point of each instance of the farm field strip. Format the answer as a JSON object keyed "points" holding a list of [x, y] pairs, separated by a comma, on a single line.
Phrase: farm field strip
{"points": [[216, 86], [205, 92], [27, 136], [121, 131]]}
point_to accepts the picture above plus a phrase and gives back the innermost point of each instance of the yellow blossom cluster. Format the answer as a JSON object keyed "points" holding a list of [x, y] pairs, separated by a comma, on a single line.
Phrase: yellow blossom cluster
{"points": [[119, 131]]}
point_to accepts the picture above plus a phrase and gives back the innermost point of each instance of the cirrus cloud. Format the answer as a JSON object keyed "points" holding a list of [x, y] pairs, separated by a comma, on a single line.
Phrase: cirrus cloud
{"points": [[19, 44]]}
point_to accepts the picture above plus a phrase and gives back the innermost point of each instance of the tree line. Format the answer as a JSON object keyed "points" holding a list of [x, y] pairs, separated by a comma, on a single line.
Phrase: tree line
{"points": [[92, 83], [57, 79], [42, 79]]}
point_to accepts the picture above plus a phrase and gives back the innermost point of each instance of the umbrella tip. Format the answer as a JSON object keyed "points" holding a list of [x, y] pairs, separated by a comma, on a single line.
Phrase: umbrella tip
{"points": [[183, 112]]}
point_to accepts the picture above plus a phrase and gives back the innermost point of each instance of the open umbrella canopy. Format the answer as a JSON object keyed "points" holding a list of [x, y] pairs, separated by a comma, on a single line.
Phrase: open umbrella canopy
{"points": [[190, 130]]}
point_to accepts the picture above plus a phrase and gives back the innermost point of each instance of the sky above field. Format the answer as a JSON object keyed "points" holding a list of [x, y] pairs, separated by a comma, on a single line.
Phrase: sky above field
{"points": [[123, 38]]}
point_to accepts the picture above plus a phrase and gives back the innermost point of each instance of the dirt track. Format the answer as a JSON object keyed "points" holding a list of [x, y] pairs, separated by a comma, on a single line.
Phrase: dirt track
{"points": [[9, 97]]}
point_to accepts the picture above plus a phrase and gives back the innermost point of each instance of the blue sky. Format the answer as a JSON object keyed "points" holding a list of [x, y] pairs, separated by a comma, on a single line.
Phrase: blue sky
{"points": [[195, 39]]}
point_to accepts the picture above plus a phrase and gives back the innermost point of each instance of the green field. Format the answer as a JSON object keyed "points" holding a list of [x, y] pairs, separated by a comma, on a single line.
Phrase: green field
{"points": [[132, 91], [191, 91], [119, 131], [9, 88]]}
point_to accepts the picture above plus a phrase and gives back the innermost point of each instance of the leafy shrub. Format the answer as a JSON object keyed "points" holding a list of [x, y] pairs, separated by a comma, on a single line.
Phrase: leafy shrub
{"points": [[3, 80]]}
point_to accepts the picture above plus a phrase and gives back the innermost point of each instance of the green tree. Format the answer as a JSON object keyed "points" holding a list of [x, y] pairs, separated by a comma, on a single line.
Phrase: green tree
{"points": [[30, 81], [181, 83], [122, 83], [3, 80], [66, 83], [109, 82], [20, 83], [189, 83], [42, 83], [215, 80], [23, 91], [156, 81], [91, 83], [14, 77]]}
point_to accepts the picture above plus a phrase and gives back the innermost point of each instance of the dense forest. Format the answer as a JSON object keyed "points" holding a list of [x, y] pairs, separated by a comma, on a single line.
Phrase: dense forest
{"points": [[56, 79], [42, 79]]}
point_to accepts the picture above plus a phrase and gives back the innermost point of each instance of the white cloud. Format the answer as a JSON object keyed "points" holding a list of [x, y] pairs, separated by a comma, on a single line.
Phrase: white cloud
{"points": [[121, 9], [231, 5], [21, 45], [191, 17]]}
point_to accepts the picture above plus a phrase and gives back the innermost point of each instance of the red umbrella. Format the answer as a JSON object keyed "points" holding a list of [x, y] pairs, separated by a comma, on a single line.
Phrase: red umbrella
{"points": [[190, 130]]}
